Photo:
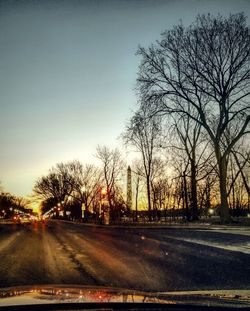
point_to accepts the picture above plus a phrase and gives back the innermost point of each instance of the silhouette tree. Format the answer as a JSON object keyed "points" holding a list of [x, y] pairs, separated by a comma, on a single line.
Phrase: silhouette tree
{"points": [[144, 133], [86, 180], [112, 166], [58, 184], [203, 68]]}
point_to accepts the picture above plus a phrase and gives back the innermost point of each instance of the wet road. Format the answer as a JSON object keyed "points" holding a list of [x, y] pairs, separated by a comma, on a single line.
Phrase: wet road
{"points": [[146, 259]]}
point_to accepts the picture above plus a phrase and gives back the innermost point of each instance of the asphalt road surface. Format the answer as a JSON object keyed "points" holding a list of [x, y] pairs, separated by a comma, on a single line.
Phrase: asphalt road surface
{"points": [[156, 259]]}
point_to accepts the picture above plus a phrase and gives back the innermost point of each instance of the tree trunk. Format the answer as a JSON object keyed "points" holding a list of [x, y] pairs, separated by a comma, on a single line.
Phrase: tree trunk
{"points": [[86, 215], [208, 197], [153, 207], [136, 199], [194, 191], [185, 197], [224, 207], [149, 199]]}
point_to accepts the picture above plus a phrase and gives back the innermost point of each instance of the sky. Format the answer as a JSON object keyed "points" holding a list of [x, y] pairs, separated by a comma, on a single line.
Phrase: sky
{"points": [[68, 74]]}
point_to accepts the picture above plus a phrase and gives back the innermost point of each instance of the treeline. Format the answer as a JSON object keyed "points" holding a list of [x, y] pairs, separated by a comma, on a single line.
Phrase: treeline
{"points": [[73, 190], [11, 205], [191, 131], [193, 90]]}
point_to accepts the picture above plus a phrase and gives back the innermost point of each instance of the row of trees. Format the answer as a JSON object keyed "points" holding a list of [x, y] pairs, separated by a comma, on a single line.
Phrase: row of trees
{"points": [[73, 186], [11, 205], [191, 131], [194, 84], [165, 176]]}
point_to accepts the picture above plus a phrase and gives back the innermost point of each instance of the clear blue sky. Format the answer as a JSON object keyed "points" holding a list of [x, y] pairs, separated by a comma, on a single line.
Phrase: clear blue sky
{"points": [[67, 75]]}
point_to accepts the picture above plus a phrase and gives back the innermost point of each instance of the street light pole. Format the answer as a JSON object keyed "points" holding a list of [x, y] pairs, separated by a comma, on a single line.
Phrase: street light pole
{"points": [[60, 207], [84, 204]]}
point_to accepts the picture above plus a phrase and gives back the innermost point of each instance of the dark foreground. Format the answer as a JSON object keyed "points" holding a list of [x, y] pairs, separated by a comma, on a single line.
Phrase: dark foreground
{"points": [[146, 259]]}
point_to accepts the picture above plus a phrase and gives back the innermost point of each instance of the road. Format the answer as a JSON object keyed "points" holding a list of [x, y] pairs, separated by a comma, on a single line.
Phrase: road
{"points": [[156, 259]]}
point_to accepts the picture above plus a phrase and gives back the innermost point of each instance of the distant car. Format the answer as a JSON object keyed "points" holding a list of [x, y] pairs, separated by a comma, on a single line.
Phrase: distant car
{"points": [[16, 219], [33, 218], [25, 220]]}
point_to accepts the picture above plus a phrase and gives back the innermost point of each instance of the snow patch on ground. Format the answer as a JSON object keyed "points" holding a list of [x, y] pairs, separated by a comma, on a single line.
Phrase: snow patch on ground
{"points": [[242, 248]]}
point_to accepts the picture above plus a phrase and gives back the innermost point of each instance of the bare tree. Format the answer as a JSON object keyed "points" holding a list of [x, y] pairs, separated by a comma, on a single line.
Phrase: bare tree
{"points": [[10, 204], [206, 67], [158, 184], [138, 173], [6, 202], [188, 133], [58, 184], [112, 166], [86, 180], [143, 133]]}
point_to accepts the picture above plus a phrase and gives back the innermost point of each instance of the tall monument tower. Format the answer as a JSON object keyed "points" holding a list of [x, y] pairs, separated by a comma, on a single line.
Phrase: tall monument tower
{"points": [[129, 189]]}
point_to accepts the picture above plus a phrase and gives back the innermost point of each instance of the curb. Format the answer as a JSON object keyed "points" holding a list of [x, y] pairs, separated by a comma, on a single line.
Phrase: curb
{"points": [[167, 226]]}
